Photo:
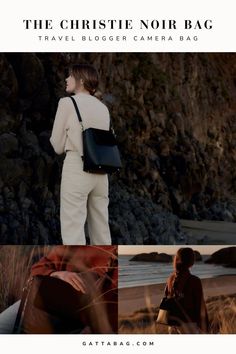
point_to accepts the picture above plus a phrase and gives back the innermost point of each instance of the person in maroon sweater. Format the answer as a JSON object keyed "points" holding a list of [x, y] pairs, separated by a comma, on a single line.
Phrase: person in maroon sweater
{"points": [[90, 275], [92, 271], [68, 262], [188, 288]]}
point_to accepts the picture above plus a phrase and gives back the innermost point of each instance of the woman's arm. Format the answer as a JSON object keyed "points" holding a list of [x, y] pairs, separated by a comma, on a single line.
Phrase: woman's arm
{"points": [[74, 279], [66, 262], [52, 265], [52, 262], [99, 259], [59, 131]]}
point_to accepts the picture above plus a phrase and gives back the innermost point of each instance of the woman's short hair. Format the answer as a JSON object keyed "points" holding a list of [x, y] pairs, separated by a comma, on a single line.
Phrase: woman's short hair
{"points": [[88, 74], [184, 258]]}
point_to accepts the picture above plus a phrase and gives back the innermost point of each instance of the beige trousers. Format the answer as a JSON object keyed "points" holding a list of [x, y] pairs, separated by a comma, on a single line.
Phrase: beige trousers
{"points": [[83, 195]]}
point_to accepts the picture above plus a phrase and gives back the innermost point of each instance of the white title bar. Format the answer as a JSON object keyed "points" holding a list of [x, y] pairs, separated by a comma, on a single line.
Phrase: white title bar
{"points": [[154, 26]]}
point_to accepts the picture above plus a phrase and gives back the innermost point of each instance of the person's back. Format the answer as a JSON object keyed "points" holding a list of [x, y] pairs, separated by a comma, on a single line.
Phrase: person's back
{"points": [[83, 195], [67, 131], [189, 288], [93, 112]]}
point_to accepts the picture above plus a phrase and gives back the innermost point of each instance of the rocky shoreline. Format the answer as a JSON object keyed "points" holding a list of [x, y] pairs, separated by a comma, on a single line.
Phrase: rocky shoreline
{"points": [[225, 256]]}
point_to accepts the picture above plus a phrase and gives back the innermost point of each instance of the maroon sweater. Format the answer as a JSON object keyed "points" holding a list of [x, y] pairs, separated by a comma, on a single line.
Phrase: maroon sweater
{"points": [[190, 287], [99, 259]]}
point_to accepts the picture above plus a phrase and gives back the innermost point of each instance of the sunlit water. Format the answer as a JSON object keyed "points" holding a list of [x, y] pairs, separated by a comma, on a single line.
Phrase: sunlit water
{"points": [[146, 273]]}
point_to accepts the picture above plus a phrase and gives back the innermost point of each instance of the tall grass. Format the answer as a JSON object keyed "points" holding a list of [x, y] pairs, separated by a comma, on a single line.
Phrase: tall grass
{"points": [[15, 265], [221, 311], [222, 314], [98, 310]]}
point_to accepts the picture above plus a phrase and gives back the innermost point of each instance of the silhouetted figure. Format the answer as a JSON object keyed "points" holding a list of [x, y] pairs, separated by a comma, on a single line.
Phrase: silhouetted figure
{"points": [[188, 288]]}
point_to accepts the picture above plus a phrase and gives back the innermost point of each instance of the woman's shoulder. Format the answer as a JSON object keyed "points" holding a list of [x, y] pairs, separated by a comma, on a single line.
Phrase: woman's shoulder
{"points": [[64, 100], [89, 99], [194, 277], [194, 280]]}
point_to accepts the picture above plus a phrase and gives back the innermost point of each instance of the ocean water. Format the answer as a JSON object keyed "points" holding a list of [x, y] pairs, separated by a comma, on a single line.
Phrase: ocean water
{"points": [[146, 273]]}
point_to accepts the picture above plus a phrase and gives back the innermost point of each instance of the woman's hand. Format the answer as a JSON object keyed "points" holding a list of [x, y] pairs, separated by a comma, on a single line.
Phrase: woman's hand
{"points": [[71, 278]]}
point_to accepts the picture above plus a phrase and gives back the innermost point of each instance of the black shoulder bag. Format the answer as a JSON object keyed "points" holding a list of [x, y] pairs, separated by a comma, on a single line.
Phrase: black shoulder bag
{"points": [[100, 151], [171, 310]]}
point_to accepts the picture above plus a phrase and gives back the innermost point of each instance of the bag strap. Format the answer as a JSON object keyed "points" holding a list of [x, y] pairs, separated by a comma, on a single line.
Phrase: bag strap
{"points": [[77, 111], [23, 304]]}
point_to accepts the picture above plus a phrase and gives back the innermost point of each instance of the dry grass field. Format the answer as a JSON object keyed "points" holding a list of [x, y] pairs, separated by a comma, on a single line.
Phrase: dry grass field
{"points": [[221, 311]]}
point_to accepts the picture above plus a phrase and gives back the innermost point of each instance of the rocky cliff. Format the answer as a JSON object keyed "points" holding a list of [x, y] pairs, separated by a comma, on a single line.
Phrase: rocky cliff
{"points": [[160, 257], [152, 257], [225, 256], [174, 115]]}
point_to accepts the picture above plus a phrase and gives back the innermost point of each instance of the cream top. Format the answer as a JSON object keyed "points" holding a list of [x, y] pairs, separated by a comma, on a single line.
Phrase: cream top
{"points": [[67, 130]]}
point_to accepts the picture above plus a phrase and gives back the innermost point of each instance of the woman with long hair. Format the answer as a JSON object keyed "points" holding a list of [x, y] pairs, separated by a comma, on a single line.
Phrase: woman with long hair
{"points": [[83, 195], [187, 289]]}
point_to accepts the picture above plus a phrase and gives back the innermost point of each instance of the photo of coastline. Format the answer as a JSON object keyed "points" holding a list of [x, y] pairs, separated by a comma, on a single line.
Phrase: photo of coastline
{"points": [[143, 274]]}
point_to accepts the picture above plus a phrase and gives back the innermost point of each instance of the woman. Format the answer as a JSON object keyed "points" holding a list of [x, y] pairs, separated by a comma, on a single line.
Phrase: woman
{"points": [[83, 195], [71, 288], [188, 289]]}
